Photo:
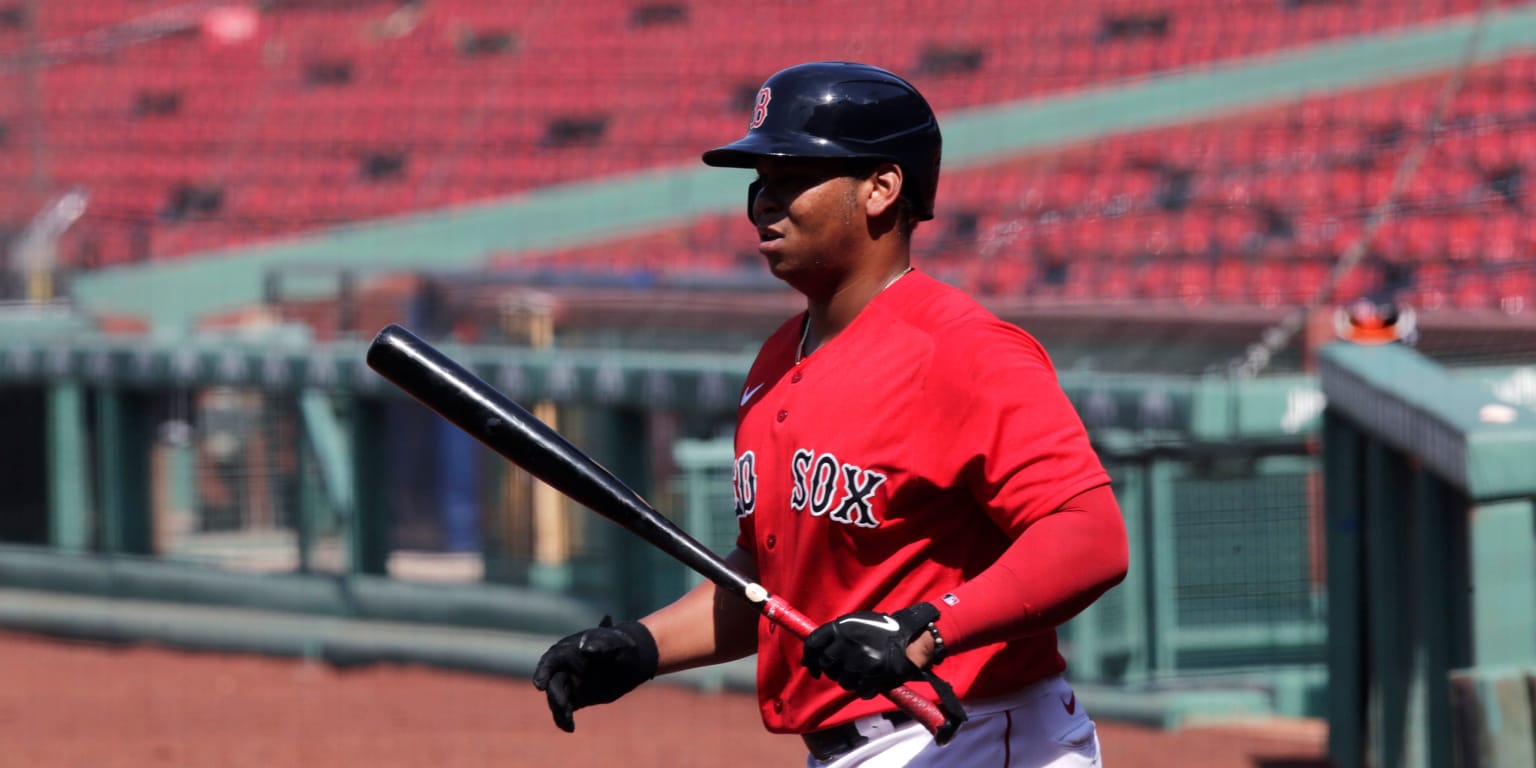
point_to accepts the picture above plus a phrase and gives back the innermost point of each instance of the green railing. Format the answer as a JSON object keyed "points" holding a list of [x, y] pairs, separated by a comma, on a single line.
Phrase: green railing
{"points": [[1431, 557], [280, 459]]}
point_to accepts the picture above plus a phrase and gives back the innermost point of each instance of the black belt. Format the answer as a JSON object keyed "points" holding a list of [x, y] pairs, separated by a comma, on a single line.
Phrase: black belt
{"points": [[839, 740]]}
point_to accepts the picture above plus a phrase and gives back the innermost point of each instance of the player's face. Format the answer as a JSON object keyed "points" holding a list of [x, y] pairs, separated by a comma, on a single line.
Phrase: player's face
{"points": [[809, 217]]}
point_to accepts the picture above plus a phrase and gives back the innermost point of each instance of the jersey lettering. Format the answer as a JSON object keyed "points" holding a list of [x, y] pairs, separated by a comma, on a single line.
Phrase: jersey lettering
{"points": [[856, 508], [843, 492], [744, 478], [823, 484], [798, 467]]}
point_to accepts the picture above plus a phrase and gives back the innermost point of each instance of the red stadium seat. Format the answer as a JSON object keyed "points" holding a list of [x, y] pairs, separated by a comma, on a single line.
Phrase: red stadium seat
{"points": [[287, 151], [1473, 291], [1230, 281], [1194, 285], [1515, 291]]}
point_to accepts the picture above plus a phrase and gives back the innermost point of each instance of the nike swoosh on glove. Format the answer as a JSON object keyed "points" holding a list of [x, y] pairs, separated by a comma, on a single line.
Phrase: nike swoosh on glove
{"points": [[866, 652]]}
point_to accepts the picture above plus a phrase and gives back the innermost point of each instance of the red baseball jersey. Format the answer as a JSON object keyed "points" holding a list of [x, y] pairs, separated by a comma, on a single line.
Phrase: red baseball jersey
{"points": [[894, 464]]}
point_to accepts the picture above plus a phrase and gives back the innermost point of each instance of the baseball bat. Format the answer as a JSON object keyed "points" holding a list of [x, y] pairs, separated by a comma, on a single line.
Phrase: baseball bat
{"points": [[505, 427]]}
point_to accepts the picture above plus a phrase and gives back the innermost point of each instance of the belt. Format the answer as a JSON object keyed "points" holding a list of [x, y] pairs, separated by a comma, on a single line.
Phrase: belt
{"points": [[831, 743]]}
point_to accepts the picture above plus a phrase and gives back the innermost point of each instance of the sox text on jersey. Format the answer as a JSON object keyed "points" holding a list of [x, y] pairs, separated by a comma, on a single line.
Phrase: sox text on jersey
{"points": [[820, 484]]}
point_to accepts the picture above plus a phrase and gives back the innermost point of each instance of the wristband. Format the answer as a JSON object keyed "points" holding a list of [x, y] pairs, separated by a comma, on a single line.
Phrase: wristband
{"points": [[938, 643]]}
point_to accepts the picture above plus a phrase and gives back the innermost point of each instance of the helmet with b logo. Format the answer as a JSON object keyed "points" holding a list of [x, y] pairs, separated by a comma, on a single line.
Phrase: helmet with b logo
{"points": [[833, 109]]}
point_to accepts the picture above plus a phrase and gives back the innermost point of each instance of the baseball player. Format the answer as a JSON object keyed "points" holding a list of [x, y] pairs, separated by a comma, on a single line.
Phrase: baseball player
{"points": [[908, 470]]}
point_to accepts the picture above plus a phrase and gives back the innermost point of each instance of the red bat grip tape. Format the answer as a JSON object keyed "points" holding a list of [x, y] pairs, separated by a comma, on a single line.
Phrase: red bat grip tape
{"points": [[924, 711]]}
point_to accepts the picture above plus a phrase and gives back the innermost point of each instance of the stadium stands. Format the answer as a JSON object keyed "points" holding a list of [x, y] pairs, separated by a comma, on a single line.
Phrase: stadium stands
{"points": [[1284, 194], [336, 112], [1249, 210]]}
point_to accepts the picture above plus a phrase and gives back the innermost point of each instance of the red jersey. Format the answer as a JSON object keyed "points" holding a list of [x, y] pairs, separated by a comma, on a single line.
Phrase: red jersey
{"points": [[891, 466]]}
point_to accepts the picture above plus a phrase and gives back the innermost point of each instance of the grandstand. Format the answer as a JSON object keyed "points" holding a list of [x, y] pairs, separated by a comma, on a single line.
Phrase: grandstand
{"points": [[335, 112]]}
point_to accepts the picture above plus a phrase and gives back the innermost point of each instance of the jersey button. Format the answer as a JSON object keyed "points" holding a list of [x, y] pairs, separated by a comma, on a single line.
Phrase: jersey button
{"points": [[778, 706], [795, 379], [783, 415], [772, 540]]}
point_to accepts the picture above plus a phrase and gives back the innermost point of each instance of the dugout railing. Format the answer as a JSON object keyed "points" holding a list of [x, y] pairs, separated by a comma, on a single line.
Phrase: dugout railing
{"points": [[341, 478], [1431, 564]]}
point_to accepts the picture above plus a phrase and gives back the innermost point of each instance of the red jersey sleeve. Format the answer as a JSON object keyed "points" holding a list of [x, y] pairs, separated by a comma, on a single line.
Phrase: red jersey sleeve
{"points": [[1060, 565], [1015, 443], [1002, 428]]}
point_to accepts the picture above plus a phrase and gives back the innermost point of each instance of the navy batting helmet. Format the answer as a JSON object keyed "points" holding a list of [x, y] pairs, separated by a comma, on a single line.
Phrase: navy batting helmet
{"points": [[837, 109]]}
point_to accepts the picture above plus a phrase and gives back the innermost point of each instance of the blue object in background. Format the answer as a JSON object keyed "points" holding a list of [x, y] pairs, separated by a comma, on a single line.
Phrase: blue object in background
{"points": [[458, 488]]}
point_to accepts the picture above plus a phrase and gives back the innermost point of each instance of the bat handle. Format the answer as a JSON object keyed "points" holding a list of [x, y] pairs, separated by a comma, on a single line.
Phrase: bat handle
{"points": [[941, 724]]}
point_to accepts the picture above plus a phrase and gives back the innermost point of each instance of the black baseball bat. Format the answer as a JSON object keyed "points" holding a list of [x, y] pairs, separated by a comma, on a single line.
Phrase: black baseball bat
{"points": [[505, 427]]}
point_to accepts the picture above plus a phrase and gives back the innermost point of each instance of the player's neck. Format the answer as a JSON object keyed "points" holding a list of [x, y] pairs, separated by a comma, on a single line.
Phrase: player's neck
{"points": [[829, 316]]}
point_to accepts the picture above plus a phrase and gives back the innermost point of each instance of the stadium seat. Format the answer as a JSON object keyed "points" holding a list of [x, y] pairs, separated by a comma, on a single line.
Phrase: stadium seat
{"points": [[1473, 291], [287, 150], [1515, 290]]}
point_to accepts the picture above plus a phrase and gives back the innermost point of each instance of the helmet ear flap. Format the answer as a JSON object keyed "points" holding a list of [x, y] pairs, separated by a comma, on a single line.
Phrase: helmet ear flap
{"points": [[752, 190]]}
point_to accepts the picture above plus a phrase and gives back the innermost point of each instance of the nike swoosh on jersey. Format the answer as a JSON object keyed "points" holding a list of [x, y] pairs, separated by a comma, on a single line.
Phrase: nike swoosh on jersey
{"points": [[886, 623], [749, 393]]}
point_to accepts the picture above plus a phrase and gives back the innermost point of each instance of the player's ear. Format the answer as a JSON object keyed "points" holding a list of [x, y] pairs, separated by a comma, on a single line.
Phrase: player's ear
{"points": [[885, 189]]}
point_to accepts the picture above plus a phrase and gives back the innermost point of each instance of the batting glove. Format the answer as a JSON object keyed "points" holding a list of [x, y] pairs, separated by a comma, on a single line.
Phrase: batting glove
{"points": [[866, 652], [595, 666]]}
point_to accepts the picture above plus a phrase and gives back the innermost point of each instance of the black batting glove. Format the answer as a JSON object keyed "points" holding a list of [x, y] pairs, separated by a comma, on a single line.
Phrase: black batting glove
{"points": [[866, 652], [595, 666]]}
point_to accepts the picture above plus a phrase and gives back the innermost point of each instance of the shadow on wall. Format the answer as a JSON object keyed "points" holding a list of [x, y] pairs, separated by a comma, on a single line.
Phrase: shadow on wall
{"points": [[24, 481]]}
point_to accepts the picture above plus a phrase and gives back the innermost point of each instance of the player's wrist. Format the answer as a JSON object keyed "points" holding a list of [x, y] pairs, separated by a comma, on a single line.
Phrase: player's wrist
{"points": [[926, 646], [643, 659], [920, 651], [936, 639]]}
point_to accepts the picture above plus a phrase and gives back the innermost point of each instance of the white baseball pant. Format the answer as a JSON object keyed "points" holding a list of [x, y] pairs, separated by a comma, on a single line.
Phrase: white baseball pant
{"points": [[1042, 726]]}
